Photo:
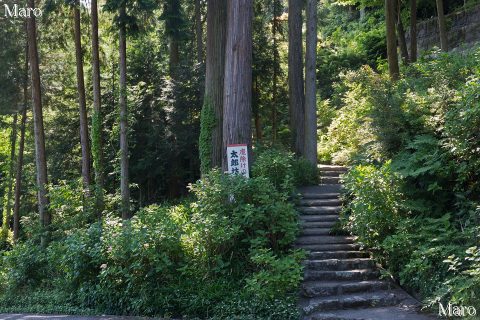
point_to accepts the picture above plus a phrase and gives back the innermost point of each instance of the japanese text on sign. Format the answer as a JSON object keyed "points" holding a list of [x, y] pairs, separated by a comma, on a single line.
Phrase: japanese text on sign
{"points": [[237, 155]]}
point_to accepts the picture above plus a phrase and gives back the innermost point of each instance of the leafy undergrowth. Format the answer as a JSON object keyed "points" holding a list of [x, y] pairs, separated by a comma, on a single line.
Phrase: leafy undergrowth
{"points": [[224, 253], [43, 301]]}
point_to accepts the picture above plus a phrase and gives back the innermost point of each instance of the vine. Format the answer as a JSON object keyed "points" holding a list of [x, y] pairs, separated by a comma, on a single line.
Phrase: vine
{"points": [[207, 123]]}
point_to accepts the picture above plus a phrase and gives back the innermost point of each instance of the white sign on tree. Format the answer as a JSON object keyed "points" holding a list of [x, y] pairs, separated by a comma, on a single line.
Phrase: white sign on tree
{"points": [[237, 155]]}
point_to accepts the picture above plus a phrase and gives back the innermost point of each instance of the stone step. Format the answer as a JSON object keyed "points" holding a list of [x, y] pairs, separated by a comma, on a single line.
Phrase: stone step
{"points": [[331, 173], [341, 275], [320, 210], [329, 288], [338, 254], [308, 231], [326, 167], [356, 300], [337, 186], [317, 224], [329, 180], [325, 239], [319, 218], [339, 264], [329, 247], [401, 312], [319, 202], [319, 196]]}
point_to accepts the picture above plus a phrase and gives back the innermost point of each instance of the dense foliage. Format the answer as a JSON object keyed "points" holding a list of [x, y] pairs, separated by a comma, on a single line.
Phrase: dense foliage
{"points": [[223, 253], [413, 187]]}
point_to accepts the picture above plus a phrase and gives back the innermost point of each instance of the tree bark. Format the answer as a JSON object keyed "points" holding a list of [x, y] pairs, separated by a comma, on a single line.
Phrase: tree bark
{"points": [[124, 179], [39, 133], [392, 55], [402, 42], [310, 84], [212, 136], [8, 206], [174, 55], [199, 31], [18, 177], [442, 26], [276, 59], [172, 15], [84, 142], [258, 127], [21, 147], [238, 76], [413, 30], [295, 76], [97, 119], [256, 111]]}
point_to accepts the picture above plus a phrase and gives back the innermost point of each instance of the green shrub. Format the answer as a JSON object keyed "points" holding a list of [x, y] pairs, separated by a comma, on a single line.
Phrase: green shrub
{"points": [[139, 257], [464, 287], [244, 307], [233, 214], [43, 301], [374, 211], [415, 253], [231, 220], [351, 135], [304, 173], [233, 237], [69, 208], [427, 171], [26, 266], [276, 166], [277, 277], [283, 170], [77, 260], [462, 121]]}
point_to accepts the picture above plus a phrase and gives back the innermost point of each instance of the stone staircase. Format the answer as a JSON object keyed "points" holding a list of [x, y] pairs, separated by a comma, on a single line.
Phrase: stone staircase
{"points": [[341, 281]]}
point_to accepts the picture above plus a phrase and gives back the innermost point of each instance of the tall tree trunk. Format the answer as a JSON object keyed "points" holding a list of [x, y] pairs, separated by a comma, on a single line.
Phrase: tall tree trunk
{"points": [[402, 42], [8, 205], [211, 137], [97, 119], [276, 59], [40, 157], [85, 144], [173, 20], [391, 39], [18, 177], [295, 76], [258, 126], [413, 30], [362, 13], [124, 181], [442, 26], [199, 31], [310, 84], [21, 147], [238, 75], [174, 56], [256, 111]]}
